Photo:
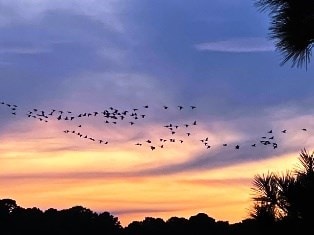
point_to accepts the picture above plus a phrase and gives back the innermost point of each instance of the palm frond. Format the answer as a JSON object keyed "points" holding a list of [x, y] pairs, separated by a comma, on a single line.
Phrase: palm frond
{"points": [[265, 188], [307, 162], [286, 191], [291, 28]]}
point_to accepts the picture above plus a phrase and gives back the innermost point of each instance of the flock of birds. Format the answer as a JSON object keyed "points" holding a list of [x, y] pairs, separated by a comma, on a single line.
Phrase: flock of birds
{"points": [[114, 116]]}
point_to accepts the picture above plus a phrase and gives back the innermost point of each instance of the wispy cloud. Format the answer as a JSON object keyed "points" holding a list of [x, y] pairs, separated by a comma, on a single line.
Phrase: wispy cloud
{"points": [[237, 45], [104, 11], [142, 210], [218, 182], [24, 50]]}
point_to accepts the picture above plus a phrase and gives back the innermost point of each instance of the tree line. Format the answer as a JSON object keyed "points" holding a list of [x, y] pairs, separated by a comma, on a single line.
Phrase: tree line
{"points": [[15, 220]]}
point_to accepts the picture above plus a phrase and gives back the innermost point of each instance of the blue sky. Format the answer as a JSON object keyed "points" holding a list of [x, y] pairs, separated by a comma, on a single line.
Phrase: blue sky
{"points": [[216, 55], [93, 54]]}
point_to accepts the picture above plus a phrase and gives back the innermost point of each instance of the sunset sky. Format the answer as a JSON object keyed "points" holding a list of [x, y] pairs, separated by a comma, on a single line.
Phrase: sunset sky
{"points": [[86, 56]]}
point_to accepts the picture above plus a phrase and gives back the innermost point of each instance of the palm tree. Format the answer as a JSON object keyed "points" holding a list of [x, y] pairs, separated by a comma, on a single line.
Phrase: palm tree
{"points": [[291, 27], [265, 198], [287, 196], [305, 186]]}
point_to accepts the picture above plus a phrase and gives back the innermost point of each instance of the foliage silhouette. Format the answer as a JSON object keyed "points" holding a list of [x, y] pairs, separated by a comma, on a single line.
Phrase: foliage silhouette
{"points": [[15, 220], [291, 27], [287, 198]]}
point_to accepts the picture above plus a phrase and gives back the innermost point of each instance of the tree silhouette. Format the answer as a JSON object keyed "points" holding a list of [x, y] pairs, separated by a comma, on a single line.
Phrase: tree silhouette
{"points": [[176, 225], [286, 198], [15, 220], [291, 27], [108, 224], [7, 206], [201, 224], [134, 228], [266, 198]]}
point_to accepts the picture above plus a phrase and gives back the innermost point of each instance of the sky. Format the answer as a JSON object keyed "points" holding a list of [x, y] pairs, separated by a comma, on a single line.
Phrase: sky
{"points": [[129, 66]]}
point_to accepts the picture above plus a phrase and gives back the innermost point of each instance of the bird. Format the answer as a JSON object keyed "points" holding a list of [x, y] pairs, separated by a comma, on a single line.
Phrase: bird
{"points": [[193, 107], [284, 131], [304, 129], [53, 110], [237, 146], [265, 142]]}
